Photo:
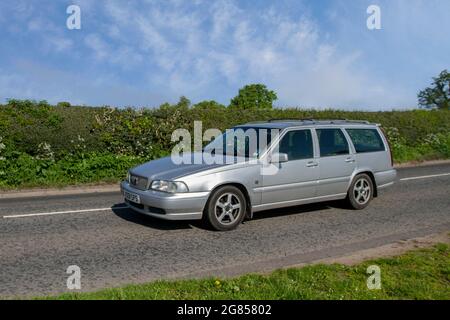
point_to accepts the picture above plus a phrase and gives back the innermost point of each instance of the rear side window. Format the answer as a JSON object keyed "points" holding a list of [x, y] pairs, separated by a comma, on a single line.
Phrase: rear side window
{"points": [[366, 140], [297, 145], [332, 142]]}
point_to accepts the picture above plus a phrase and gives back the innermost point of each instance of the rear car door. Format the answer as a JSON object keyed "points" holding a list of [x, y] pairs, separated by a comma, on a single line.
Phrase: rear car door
{"points": [[336, 162], [297, 178]]}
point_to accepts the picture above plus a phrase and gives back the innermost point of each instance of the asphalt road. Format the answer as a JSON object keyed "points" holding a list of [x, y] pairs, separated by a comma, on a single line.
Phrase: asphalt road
{"points": [[41, 237]]}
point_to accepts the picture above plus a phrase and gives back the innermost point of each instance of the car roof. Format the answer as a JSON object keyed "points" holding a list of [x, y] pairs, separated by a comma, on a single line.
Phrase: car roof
{"points": [[282, 124]]}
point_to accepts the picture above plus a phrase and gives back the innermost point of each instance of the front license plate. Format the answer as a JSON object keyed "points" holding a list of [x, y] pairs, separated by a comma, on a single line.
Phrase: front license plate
{"points": [[132, 197]]}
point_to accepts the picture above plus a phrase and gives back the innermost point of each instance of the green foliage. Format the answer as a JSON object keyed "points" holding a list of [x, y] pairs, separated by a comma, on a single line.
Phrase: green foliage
{"points": [[63, 104], [254, 96], [23, 170], [44, 145], [438, 95], [420, 274]]}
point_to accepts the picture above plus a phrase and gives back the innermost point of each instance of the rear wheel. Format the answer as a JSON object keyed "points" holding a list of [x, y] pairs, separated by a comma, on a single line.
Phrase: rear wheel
{"points": [[226, 208], [360, 192]]}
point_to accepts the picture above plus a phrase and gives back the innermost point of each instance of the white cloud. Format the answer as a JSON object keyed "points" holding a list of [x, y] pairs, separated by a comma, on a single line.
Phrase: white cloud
{"points": [[98, 45], [59, 43], [208, 49], [197, 49], [25, 82], [24, 18]]}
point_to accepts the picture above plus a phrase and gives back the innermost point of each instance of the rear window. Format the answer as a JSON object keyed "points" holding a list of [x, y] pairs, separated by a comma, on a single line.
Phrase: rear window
{"points": [[366, 140], [332, 142]]}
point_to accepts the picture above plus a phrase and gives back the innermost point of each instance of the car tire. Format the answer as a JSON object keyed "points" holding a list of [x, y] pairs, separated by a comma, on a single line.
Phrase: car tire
{"points": [[226, 208], [360, 192]]}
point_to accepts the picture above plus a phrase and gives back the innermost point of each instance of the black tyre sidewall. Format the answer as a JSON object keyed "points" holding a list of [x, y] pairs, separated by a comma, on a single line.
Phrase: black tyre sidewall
{"points": [[210, 208], [351, 197]]}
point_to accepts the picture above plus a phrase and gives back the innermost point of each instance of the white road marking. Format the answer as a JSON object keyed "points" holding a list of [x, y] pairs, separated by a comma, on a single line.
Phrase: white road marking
{"points": [[125, 207], [60, 212], [425, 177]]}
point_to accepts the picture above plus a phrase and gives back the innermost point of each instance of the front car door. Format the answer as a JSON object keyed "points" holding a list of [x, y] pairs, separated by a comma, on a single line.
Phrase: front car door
{"points": [[336, 162], [295, 179]]}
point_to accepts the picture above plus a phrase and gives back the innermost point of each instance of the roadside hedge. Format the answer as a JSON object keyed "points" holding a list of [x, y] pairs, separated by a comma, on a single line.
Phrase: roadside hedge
{"points": [[41, 144]]}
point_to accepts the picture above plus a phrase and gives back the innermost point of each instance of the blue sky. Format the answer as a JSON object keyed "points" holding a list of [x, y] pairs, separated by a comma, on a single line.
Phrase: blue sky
{"points": [[143, 53]]}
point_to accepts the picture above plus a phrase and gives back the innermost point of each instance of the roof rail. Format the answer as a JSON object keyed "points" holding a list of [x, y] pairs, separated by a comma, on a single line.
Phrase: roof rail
{"points": [[357, 121], [323, 120], [292, 120], [314, 121], [257, 121]]}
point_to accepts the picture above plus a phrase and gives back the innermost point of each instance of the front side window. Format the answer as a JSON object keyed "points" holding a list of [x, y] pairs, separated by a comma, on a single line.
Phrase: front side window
{"points": [[332, 142], [297, 145], [366, 140], [248, 142]]}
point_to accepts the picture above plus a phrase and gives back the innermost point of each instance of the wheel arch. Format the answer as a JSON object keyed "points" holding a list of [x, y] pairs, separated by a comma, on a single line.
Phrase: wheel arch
{"points": [[371, 176], [242, 188]]}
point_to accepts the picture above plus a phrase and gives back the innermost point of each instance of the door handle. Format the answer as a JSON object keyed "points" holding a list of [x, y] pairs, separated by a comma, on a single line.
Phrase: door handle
{"points": [[312, 164], [349, 160]]}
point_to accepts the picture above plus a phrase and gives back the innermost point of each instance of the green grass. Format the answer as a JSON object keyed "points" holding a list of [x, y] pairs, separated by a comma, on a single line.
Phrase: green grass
{"points": [[419, 274]]}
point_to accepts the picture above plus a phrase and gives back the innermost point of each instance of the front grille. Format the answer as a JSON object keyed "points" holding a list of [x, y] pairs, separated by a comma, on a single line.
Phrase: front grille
{"points": [[138, 182]]}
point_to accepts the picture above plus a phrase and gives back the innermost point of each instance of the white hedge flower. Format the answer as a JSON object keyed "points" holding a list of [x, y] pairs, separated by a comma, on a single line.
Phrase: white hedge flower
{"points": [[45, 152], [2, 147]]}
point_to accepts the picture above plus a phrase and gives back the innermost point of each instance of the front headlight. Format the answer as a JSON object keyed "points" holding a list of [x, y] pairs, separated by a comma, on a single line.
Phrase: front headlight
{"points": [[169, 186]]}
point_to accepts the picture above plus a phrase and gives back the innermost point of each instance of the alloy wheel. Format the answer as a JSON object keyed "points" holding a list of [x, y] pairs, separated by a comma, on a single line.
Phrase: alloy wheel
{"points": [[362, 191], [227, 208]]}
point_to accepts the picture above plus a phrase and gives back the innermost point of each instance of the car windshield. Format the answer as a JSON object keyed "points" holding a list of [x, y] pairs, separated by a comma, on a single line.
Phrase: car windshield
{"points": [[248, 142]]}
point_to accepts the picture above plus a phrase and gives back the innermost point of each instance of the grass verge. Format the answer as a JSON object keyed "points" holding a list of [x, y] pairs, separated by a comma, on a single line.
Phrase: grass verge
{"points": [[418, 274]]}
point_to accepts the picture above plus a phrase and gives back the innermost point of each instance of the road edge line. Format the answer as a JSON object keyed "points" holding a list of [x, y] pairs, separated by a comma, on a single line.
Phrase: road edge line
{"points": [[60, 192]]}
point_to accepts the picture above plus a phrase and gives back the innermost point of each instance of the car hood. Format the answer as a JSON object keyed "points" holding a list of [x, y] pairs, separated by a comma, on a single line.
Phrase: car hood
{"points": [[166, 169]]}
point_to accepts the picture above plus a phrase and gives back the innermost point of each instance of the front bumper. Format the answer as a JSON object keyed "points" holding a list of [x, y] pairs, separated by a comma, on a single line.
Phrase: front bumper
{"points": [[181, 206]]}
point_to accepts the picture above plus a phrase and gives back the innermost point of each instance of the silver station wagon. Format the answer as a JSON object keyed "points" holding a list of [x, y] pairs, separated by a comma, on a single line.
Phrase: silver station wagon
{"points": [[302, 161]]}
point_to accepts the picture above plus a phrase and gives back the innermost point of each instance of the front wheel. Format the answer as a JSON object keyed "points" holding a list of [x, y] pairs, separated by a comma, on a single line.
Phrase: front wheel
{"points": [[360, 192], [226, 208]]}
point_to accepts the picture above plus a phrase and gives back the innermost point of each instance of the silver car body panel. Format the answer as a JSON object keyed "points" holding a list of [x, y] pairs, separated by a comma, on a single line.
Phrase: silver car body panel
{"points": [[297, 182], [182, 206]]}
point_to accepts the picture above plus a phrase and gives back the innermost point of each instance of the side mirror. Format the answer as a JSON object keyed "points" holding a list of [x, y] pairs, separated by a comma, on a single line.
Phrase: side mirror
{"points": [[279, 158]]}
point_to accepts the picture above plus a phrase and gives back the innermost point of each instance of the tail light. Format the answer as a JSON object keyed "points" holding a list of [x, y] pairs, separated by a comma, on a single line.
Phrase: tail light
{"points": [[389, 145]]}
